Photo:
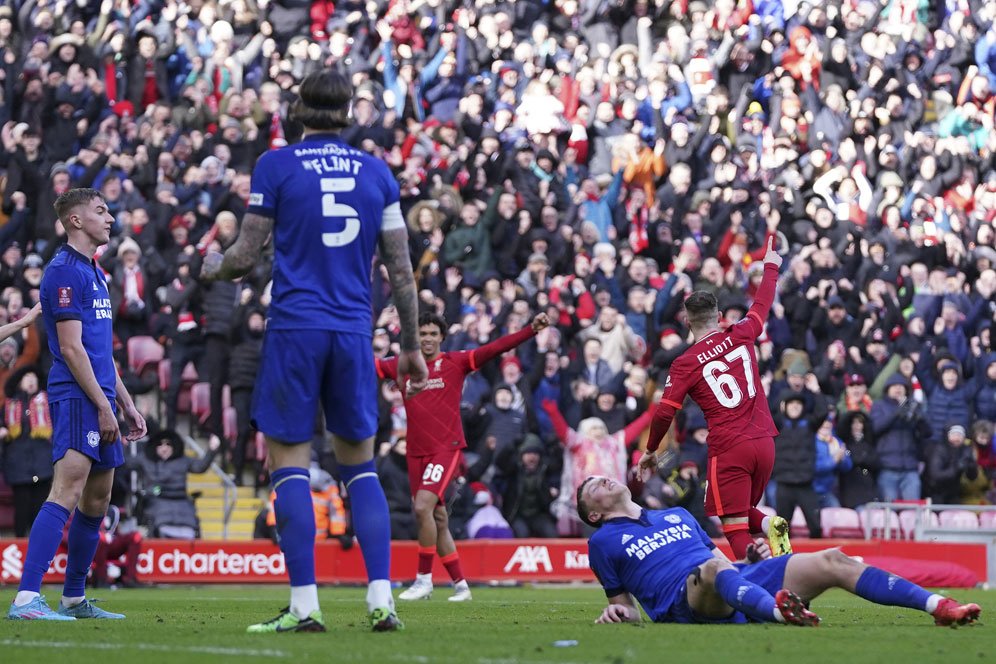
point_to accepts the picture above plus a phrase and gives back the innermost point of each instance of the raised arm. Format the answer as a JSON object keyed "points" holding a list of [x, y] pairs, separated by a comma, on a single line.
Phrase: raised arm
{"points": [[765, 296], [489, 351]]}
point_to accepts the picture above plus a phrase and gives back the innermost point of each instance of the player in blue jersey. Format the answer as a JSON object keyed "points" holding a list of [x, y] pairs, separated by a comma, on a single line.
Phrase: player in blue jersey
{"points": [[329, 207], [83, 388], [665, 561]]}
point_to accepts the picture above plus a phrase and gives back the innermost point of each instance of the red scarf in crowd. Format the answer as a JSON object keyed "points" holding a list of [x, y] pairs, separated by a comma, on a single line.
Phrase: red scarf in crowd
{"points": [[639, 218], [38, 416]]}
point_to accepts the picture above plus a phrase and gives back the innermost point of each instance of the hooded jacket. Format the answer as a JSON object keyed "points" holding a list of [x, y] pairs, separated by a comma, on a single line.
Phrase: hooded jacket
{"points": [[902, 431]]}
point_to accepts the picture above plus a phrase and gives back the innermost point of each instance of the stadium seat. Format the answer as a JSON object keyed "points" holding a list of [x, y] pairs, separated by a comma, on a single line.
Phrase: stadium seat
{"points": [[959, 520], [187, 380], [798, 527], [144, 353], [229, 424], [840, 522], [876, 521], [987, 520], [907, 521]]}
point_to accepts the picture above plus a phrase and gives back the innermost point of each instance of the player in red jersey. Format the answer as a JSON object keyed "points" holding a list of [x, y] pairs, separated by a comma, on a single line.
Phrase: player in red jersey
{"points": [[436, 440], [719, 371]]}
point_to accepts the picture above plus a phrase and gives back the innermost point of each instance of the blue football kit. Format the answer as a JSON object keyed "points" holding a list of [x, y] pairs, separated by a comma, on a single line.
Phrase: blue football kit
{"points": [[651, 558], [73, 288], [329, 203]]}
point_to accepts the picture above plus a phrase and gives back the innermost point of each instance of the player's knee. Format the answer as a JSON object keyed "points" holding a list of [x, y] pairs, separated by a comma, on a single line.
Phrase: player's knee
{"points": [[67, 494], [711, 568], [440, 515], [425, 509], [835, 561]]}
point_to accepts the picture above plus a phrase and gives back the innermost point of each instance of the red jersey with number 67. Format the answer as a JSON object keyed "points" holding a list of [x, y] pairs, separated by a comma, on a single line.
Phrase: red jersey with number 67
{"points": [[720, 373]]}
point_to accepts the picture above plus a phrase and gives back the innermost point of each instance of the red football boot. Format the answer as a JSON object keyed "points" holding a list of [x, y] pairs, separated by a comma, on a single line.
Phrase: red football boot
{"points": [[949, 612], [794, 610]]}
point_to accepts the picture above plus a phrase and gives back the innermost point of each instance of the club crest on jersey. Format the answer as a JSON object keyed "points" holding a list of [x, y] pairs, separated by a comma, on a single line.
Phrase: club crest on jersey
{"points": [[439, 363], [672, 518], [92, 438]]}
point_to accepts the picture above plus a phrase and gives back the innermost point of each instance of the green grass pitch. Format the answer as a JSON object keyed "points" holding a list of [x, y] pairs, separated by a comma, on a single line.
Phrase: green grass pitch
{"points": [[500, 626]]}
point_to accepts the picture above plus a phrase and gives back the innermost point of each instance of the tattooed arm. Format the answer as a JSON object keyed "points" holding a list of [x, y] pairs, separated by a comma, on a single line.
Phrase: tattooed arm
{"points": [[242, 255], [397, 260]]}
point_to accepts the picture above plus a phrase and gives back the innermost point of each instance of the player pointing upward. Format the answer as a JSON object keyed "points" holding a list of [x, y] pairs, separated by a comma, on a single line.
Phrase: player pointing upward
{"points": [[328, 206], [719, 371]]}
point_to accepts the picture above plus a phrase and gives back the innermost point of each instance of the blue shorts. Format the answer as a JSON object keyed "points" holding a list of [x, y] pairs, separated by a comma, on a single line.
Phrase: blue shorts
{"points": [[75, 426], [301, 370], [769, 574]]}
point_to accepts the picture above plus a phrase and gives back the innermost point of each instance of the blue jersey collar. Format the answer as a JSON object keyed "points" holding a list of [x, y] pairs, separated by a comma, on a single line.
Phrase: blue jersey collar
{"points": [[73, 252], [643, 520]]}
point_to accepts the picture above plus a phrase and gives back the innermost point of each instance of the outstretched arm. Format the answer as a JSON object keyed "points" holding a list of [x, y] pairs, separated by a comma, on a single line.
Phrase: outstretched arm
{"points": [[487, 352], [765, 296], [12, 328], [242, 255]]}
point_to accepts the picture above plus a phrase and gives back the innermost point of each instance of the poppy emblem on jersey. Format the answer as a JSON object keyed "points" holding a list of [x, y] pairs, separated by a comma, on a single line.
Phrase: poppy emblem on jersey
{"points": [[65, 296], [672, 518], [92, 438]]}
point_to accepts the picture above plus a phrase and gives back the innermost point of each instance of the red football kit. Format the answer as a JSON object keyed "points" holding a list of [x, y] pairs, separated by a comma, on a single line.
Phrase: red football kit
{"points": [[720, 373], [435, 432]]}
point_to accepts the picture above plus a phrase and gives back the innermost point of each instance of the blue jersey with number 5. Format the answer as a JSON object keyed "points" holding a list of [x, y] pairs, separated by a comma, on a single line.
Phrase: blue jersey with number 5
{"points": [[330, 203]]}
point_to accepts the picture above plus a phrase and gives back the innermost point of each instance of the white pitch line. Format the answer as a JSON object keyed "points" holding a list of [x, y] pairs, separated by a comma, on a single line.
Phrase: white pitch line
{"points": [[206, 650]]}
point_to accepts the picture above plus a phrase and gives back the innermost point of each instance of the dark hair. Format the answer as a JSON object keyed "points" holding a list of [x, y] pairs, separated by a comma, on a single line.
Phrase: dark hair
{"points": [[701, 307], [70, 200], [429, 318], [583, 511], [324, 101]]}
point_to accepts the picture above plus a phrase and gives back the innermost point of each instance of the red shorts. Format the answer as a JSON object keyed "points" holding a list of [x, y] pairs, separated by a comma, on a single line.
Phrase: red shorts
{"points": [[736, 478], [434, 472]]}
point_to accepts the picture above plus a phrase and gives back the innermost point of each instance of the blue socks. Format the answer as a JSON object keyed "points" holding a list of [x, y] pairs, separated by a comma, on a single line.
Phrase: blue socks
{"points": [[879, 586], [84, 534], [371, 517], [43, 542], [748, 598], [295, 523]]}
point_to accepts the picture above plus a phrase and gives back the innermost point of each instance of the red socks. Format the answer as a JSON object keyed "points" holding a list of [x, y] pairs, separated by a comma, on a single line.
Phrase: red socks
{"points": [[452, 565], [739, 538], [425, 556], [754, 519]]}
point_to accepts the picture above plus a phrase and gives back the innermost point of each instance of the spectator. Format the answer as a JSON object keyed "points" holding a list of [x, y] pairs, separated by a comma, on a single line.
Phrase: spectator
{"points": [[951, 463], [392, 469], [795, 461], [901, 429], [247, 346], [832, 459], [26, 438], [530, 490], [858, 485], [167, 509]]}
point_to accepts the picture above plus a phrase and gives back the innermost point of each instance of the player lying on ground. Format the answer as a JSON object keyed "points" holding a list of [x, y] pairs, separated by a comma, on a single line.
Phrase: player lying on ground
{"points": [[669, 565]]}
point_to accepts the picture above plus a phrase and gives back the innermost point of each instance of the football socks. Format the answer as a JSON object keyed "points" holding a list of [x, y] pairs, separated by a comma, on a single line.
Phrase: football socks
{"points": [[84, 534], [295, 523], [876, 585], [372, 518], [43, 542], [748, 598]]}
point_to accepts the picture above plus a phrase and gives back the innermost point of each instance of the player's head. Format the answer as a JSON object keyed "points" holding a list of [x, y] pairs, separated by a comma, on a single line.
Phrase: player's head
{"points": [[701, 309], [432, 331], [324, 102], [600, 496], [84, 213]]}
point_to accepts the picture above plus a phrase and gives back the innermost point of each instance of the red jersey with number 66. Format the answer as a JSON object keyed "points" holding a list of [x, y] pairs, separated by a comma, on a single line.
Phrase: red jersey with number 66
{"points": [[720, 373]]}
